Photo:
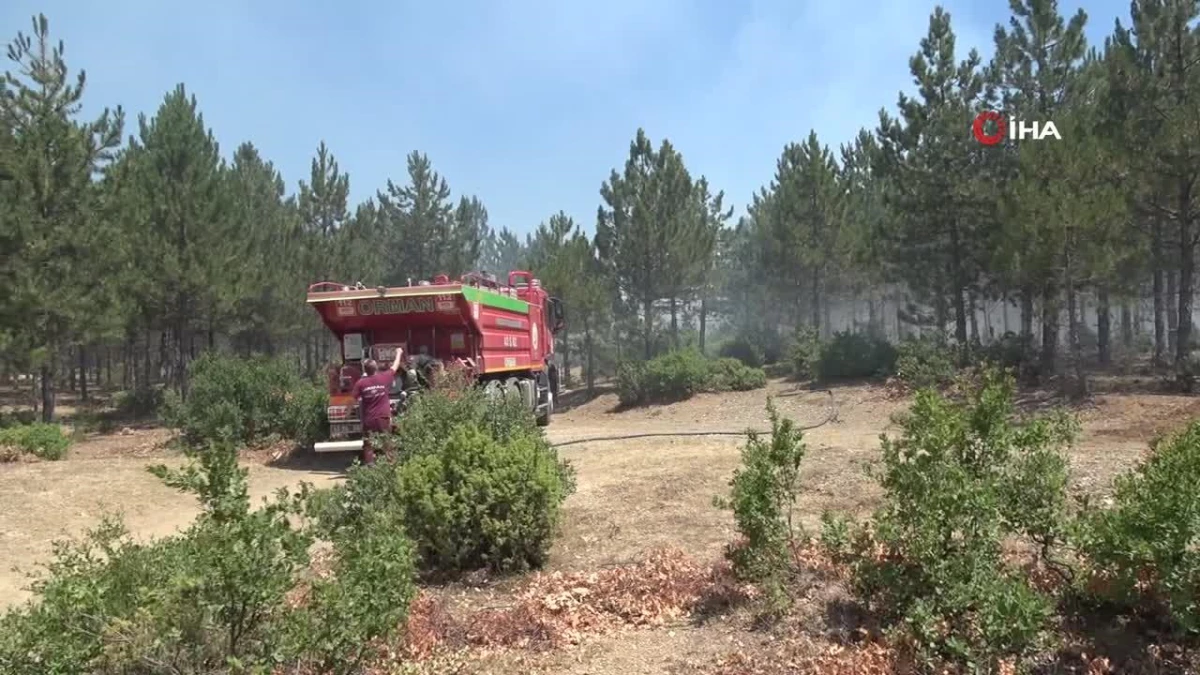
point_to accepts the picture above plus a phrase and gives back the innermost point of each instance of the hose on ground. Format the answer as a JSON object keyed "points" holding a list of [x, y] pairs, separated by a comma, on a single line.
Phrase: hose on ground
{"points": [[831, 417]]}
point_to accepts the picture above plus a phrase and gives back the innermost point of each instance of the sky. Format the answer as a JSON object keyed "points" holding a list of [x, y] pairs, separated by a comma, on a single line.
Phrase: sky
{"points": [[526, 104]]}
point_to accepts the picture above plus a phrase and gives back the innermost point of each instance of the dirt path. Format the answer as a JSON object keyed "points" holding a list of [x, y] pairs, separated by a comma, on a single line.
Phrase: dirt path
{"points": [[632, 495], [44, 501]]}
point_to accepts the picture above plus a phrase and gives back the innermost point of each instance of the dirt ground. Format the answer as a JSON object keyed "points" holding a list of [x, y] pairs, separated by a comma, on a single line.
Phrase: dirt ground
{"points": [[633, 495]]}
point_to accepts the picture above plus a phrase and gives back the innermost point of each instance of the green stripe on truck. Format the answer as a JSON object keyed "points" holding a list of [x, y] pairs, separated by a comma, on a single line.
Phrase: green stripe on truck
{"points": [[495, 300]]}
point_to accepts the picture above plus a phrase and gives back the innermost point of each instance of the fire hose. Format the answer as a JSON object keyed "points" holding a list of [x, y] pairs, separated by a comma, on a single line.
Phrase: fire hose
{"points": [[831, 417]]}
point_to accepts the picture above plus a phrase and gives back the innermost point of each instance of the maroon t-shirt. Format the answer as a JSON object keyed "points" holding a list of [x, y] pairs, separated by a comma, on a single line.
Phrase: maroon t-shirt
{"points": [[373, 390]]}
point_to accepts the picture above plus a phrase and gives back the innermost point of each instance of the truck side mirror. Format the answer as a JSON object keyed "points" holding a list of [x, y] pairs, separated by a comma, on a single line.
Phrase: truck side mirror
{"points": [[558, 317]]}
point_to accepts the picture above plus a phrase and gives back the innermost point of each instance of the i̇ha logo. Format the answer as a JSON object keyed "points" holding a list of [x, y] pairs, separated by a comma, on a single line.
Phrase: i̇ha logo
{"points": [[1013, 130]]}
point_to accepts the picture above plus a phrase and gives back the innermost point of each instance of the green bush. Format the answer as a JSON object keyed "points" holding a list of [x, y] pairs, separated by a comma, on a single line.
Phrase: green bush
{"points": [[215, 598], [963, 479], [679, 375], [925, 362], [733, 375], [854, 355], [763, 493], [140, 403], [476, 484], [17, 418], [455, 401], [631, 378], [368, 597], [480, 502], [1011, 351], [246, 401], [46, 441], [804, 354], [1143, 548], [742, 349]]}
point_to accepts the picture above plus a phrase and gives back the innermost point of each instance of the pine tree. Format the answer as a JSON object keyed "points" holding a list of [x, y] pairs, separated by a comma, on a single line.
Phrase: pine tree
{"points": [[1158, 74], [937, 239], [174, 203], [52, 157], [1036, 61], [418, 220]]}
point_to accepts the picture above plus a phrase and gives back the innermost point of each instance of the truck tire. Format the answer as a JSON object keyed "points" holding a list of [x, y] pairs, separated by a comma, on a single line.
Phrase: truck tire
{"points": [[543, 418]]}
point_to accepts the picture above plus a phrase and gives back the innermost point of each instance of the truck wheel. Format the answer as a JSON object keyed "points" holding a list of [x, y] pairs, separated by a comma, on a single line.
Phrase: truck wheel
{"points": [[543, 419]]}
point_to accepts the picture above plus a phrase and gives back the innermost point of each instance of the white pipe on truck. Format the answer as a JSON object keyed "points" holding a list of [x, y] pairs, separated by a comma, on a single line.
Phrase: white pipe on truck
{"points": [[338, 446]]}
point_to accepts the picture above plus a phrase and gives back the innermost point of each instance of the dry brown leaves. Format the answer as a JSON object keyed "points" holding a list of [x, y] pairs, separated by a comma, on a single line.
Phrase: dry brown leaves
{"points": [[803, 657], [558, 609]]}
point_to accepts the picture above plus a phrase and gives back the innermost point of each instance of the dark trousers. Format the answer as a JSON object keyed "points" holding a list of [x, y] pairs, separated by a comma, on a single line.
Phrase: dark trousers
{"points": [[370, 428]]}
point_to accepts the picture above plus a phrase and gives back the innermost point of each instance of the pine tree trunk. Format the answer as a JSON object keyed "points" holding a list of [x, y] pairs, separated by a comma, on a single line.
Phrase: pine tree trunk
{"points": [[47, 372], [147, 373], [1172, 312], [1050, 327], [1079, 386], [83, 374], [72, 383], [590, 346], [1160, 333], [648, 329], [180, 339], [1126, 325], [703, 320], [1027, 315], [827, 323], [973, 315], [814, 300], [674, 323], [1187, 267], [1103, 326]]}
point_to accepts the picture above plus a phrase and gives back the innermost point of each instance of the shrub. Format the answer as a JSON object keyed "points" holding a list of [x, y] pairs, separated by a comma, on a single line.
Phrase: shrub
{"points": [[475, 483], [742, 349], [454, 400], [216, 598], [1143, 548], [631, 378], [925, 362], [679, 375], [674, 376], [481, 502], [246, 401], [763, 492], [17, 418], [732, 375], [804, 354], [368, 597], [961, 480], [46, 441], [854, 355], [1011, 351], [140, 403]]}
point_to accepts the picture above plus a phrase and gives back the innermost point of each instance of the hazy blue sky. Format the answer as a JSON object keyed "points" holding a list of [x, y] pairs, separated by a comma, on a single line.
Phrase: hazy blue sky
{"points": [[527, 104]]}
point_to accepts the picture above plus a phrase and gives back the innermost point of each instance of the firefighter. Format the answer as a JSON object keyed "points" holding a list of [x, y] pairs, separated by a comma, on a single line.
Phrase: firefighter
{"points": [[375, 403]]}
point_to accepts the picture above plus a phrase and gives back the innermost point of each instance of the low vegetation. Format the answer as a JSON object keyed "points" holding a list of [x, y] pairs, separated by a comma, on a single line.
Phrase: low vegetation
{"points": [[44, 441], [763, 494], [246, 401], [476, 484], [233, 593], [976, 553], [681, 374]]}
